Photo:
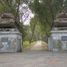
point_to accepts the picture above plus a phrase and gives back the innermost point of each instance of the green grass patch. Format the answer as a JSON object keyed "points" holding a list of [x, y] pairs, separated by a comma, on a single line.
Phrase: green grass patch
{"points": [[26, 44]]}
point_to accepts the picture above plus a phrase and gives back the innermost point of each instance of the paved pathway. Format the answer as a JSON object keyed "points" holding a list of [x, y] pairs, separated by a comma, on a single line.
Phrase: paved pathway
{"points": [[33, 59]]}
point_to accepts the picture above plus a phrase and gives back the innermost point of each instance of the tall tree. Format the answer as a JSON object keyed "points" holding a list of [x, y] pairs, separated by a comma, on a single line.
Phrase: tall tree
{"points": [[46, 11]]}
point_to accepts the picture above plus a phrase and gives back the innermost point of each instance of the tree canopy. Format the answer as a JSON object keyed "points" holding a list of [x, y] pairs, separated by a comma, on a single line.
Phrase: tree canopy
{"points": [[46, 11]]}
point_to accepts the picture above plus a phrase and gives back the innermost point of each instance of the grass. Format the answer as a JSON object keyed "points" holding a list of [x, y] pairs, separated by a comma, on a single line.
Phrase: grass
{"points": [[26, 45]]}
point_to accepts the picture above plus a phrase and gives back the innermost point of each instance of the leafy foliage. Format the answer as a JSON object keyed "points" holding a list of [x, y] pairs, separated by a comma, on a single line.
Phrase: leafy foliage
{"points": [[46, 11]]}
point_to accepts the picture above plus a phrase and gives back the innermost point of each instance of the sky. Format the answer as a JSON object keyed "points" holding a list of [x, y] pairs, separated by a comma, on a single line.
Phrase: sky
{"points": [[25, 14]]}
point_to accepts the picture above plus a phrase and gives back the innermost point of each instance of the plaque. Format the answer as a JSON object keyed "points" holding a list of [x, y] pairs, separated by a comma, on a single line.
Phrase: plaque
{"points": [[64, 38]]}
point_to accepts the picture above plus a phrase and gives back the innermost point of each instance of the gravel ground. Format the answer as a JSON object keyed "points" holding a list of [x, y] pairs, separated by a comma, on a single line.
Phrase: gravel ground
{"points": [[33, 59]]}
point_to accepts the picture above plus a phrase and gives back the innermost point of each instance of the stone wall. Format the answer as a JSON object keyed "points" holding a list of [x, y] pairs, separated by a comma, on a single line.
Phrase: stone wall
{"points": [[58, 40], [10, 41]]}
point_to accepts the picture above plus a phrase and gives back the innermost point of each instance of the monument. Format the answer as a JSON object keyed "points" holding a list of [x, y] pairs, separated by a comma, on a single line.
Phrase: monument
{"points": [[58, 39], [10, 37]]}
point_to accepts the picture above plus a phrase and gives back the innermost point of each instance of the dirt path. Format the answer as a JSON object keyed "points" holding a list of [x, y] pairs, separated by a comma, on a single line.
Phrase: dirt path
{"points": [[39, 45]]}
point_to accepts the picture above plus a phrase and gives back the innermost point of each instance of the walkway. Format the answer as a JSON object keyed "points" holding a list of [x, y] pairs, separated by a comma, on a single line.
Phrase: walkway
{"points": [[33, 59]]}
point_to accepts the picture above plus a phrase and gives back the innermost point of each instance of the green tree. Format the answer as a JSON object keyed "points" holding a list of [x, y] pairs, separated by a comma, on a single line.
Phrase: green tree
{"points": [[46, 11]]}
